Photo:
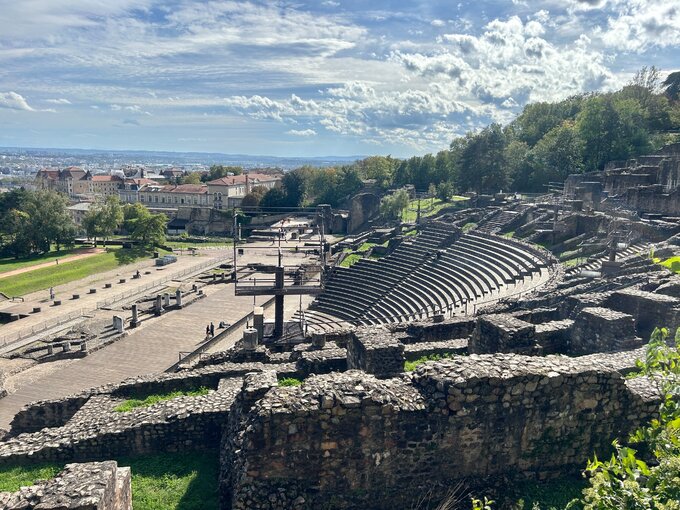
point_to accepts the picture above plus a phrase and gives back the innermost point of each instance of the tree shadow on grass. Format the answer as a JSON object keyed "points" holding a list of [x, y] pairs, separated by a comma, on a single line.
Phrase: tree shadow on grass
{"points": [[130, 255], [181, 481]]}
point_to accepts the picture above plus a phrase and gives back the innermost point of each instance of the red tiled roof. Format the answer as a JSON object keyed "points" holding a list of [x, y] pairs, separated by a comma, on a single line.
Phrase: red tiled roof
{"points": [[106, 178], [232, 180]]}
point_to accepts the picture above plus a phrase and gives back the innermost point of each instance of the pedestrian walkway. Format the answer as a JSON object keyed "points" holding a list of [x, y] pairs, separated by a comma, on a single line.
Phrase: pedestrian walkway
{"points": [[152, 348]]}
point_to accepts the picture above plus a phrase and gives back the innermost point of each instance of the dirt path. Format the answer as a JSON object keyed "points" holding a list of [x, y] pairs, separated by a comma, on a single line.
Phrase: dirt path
{"points": [[87, 252]]}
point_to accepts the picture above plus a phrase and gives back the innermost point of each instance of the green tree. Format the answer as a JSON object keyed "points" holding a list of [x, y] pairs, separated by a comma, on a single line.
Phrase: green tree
{"points": [[482, 161], [145, 226], [190, 178], [558, 154], [672, 86], [294, 189], [379, 168], [50, 221], [392, 206], [253, 198], [103, 219], [218, 171], [445, 190]]}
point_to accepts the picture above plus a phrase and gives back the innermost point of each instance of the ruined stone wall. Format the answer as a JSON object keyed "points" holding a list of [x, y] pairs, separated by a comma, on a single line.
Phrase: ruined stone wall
{"points": [[351, 440], [648, 309], [91, 486], [376, 351]]}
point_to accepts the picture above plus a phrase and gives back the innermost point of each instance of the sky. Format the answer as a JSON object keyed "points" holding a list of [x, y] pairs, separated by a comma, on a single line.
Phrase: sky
{"points": [[303, 78]]}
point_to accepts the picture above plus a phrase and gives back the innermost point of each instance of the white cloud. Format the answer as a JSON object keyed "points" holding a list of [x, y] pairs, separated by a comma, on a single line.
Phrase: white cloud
{"points": [[14, 101], [640, 25], [58, 101], [438, 23], [302, 132]]}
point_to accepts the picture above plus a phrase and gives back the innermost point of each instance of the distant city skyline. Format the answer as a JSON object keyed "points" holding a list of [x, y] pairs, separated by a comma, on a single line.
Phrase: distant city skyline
{"points": [[329, 78]]}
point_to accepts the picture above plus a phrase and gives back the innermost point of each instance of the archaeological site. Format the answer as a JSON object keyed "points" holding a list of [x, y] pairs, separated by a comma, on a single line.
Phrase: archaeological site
{"points": [[465, 352]]}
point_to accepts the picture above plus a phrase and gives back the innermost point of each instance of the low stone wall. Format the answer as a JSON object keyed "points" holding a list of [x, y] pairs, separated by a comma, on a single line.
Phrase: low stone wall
{"points": [[376, 351], [600, 330], [353, 441], [449, 329], [320, 361], [649, 310], [91, 486], [502, 333], [98, 432], [57, 412]]}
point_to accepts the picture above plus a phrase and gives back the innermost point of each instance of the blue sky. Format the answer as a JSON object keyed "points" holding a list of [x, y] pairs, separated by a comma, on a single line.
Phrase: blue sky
{"points": [[302, 78]]}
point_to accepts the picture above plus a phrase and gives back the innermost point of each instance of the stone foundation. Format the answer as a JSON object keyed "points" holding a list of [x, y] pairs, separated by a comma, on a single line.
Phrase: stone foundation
{"points": [[602, 330], [353, 441], [375, 351], [92, 486]]}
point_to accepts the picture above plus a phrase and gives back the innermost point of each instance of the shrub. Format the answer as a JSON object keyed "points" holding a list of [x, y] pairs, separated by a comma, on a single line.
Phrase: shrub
{"points": [[134, 403]]}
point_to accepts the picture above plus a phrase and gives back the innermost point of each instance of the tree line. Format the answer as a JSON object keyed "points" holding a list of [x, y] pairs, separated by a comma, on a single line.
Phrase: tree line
{"points": [[33, 222], [545, 143]]}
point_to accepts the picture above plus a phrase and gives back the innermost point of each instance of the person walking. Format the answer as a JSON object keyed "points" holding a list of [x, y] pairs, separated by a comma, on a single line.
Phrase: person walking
{"points": [[51, 293], [207, 331], [212, 330]]}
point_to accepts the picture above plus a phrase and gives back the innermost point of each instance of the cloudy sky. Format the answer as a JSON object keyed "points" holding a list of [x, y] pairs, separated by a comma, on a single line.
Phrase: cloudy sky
{"points": [[334, 77]]}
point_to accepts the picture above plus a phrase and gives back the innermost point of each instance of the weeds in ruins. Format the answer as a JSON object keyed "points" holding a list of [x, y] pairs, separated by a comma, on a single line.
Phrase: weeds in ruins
{"points": [[410, 366], [651, 479], [290, 381], [150, 400]]}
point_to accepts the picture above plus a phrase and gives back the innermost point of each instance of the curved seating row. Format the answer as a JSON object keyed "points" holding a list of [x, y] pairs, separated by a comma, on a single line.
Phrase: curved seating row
{"points": [[439, 271]]}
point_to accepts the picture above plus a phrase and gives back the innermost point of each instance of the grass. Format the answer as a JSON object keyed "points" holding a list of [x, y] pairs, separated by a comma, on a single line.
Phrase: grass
{"points": [[290, 381], [428, 207], [350, 260], [168, 481], [510, 234], [469, 226], [10, 263], [46, 277], [410, 366], [13, 478], [150, 400], [411, 233]]}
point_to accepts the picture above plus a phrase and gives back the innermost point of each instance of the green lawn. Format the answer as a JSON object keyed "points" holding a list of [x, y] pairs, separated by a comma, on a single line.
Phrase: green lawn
{"points": [[46, 277], [150, 400], [169, 481], [10, 263], [428, 207], [350, 260]]}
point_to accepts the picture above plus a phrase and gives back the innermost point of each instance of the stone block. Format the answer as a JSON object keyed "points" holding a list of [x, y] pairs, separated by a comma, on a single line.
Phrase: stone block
{"points": [[600, 329], [377, 352], [502, 333]]}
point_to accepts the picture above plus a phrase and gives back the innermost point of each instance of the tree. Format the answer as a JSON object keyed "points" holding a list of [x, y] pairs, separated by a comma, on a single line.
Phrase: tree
{"points": [[253, 198], [190, 178], [103, 219], [558, 154], [275, 197], [379, 168], [50, 221], [482, 161], [218, 171], [445, 191], [392, 206], [294, 189], [672, 86], [145, 226]]}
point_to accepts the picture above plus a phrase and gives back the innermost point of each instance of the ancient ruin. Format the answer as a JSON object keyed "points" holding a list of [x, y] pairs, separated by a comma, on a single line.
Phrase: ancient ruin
{"points": [[538, 308]]}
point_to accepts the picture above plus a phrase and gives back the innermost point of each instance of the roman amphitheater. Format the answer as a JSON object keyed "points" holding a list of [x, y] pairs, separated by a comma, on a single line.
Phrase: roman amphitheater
{"points": [[528, 377]]}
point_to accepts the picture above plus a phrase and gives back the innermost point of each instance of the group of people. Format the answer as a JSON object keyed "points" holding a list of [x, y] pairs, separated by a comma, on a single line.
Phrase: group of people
{"points": [[210, 330]]}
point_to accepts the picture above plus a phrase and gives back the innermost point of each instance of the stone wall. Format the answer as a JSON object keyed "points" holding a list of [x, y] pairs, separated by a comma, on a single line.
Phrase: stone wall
{"points": [[353, 441], [649, 310], [92, 486], [376, 351], [600, 330], [502, 333]]}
